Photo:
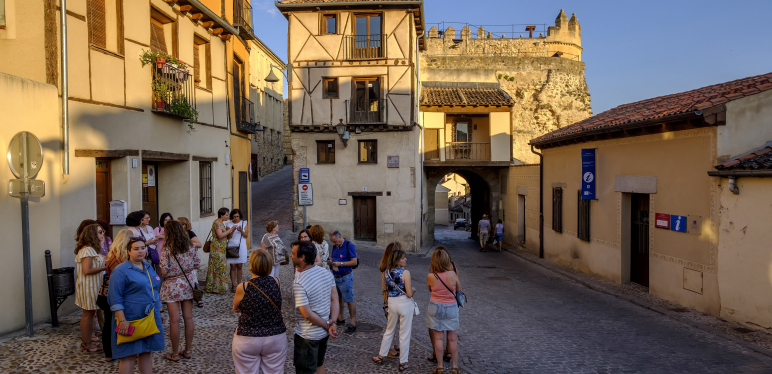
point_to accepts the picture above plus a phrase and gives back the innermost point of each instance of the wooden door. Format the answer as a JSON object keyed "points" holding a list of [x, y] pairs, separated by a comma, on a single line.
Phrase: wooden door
{"points": [[150, 193], [432, 144], [244, 195], [364, 217], [639, 239], [103, 191]]}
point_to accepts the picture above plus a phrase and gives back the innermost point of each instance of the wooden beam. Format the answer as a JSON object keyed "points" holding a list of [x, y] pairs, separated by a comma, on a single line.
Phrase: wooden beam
{"points": [[226, 37], [171, 1], [207, 24], [217, 31], [197, 16], [165, 156], [202, 158], [186, 8], [106, 153], [367, 193]]}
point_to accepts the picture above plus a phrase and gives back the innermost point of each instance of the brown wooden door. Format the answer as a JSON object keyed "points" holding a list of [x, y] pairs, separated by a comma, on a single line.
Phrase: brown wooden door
{"points": [[639, 239], [364, 217], [432, 144], [150, 193], [103, 191], [244, 195]]}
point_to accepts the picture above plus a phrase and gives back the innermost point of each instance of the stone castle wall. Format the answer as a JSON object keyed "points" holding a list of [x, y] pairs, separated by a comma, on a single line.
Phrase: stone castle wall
{"points": [[286, 133], [270, 151]]}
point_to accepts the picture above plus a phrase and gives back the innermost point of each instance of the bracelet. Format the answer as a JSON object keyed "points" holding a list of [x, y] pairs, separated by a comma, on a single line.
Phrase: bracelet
{"points": [[122, 321]]}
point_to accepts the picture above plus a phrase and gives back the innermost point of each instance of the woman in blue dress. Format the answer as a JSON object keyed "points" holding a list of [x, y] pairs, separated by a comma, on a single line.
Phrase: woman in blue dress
{"points": [[132, 297]]}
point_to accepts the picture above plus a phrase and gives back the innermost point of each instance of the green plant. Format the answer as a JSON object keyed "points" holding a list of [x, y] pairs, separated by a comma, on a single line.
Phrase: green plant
{"points": [[161, 90], [150, 57], [181, 107]]}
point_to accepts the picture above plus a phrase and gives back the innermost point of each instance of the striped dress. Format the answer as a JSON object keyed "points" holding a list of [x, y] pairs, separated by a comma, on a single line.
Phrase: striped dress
{"points": [[87, 286]]}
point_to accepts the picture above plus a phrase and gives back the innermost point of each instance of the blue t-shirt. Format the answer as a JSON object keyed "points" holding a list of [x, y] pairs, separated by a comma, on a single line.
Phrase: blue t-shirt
{"points": [[344, 253]]}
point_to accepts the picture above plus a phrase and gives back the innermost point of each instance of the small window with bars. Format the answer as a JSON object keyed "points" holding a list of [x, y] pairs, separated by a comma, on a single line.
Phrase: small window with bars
{"points": [[583, 226], [557, 209], [330, 89], [97, 23], [205, 187], [325, 152]]}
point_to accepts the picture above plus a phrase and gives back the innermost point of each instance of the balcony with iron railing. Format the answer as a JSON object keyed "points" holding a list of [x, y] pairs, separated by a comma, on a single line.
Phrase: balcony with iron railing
{"points": [[367, 111], [173, 92], [364, 47], [467, 151], [245, 120], [242, 19]]}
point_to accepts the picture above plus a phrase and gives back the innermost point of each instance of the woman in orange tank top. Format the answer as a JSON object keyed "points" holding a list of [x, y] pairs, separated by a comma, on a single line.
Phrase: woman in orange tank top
{"points": [[442, 313]]}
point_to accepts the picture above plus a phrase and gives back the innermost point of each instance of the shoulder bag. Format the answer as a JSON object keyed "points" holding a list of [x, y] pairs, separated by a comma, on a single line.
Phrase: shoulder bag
{"points": [[416, 311], [347, 244], [264, 294], [208, 243], [197, 294], [233, 252], [460, 296], [143, 327]]}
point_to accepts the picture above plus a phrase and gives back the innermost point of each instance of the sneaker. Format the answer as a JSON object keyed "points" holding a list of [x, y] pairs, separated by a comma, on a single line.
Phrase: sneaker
{"points": [[351, 329], [339, 322]]}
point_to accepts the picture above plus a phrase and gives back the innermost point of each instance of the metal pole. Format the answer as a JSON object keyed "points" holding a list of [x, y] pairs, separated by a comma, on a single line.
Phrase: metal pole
{"points": [[27, 266], [51, 298], [65, 93], [305, 221]]}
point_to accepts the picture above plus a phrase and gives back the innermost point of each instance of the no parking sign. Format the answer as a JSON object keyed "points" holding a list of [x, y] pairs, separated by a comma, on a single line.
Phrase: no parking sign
{"points": [[305, 194]]}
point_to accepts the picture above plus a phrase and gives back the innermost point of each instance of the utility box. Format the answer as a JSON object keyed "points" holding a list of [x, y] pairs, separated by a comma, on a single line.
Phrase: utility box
{"points": [[118, 212]]}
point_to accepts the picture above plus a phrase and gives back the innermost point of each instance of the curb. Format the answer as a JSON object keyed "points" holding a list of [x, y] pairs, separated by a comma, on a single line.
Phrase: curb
{"points": [[647, 305]]}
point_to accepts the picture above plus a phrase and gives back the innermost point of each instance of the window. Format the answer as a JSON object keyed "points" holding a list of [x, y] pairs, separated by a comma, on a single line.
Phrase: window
{"points": [[196, 64], [97, 19], [329, 24], [202, 62], [557, 209], [370, 25], [462, 132], [2, 14], [163, 35], [325, 152], [205, 187], [157, 37], [330, 88], [583, 229], [368, 151], [366, 103]]}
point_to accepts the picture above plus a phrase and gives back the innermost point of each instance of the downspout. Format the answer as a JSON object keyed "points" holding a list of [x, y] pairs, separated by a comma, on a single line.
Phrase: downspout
{"points": [[541, 202], [65, 96]]}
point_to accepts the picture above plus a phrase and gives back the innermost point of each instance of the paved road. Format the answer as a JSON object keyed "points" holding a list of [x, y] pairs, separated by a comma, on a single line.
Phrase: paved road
{"points": [[272, 200]]}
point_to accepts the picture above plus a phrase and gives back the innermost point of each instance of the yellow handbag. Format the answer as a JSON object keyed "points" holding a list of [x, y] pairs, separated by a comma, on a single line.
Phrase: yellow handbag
{"points": [[143, 327]]}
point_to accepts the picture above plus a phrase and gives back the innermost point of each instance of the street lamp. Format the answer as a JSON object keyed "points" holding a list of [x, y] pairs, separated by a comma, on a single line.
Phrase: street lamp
{"points": [[340, 128], [272, 78]]}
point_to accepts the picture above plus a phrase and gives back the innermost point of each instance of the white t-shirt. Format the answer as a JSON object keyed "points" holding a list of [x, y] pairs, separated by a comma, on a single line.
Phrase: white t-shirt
{"points": [[312, 287], [499, 228], [484, 225]]}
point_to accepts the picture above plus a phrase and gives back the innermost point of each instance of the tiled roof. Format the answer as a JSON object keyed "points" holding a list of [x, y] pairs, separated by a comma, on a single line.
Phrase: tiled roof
{"points": [[760, 159], [464, 96], [662, 106]]}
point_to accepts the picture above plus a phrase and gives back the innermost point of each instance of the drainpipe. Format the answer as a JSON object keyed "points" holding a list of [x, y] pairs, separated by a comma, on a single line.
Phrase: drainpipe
{"points": [[65, 95], [541, 202]]}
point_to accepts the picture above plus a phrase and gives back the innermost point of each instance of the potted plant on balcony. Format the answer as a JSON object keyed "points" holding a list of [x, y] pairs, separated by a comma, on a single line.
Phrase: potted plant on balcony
{"points": [[161, 91], [181, 107]]}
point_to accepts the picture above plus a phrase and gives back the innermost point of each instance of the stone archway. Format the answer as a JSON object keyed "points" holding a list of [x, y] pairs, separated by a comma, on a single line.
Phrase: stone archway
{"points": [[485, 187]]}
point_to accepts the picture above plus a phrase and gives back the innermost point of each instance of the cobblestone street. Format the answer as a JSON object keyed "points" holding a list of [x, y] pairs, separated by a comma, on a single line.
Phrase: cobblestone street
{"points": [[521, 318]]}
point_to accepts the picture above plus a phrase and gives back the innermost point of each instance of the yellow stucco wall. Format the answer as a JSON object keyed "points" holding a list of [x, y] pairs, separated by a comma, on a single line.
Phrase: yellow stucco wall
{"points": [[521, 207], [683, 188]]}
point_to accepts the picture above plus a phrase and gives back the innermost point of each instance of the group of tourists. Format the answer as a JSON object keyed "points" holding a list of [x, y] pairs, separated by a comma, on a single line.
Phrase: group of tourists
{"points": [[124, 282], [484, 231]]}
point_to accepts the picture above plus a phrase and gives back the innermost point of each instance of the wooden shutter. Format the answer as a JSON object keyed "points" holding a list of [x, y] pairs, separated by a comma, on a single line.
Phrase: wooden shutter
{"points": [[583, 229], [196, 64], [97, 34], [157, 38], [557, 209], [208, 56], [353, 102]]}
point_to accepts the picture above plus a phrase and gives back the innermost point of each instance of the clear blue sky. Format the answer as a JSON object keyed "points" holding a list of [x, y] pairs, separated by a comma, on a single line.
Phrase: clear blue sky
{"points": [[633, 50]]}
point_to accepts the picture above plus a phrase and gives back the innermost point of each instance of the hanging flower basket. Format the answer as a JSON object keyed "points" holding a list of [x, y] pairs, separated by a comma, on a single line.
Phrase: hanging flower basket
{"points": [[160, 62], [182, 74]]}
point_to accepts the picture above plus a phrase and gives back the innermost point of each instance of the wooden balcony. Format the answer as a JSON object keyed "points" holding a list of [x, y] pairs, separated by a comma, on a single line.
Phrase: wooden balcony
{"points": [[364, 47]]}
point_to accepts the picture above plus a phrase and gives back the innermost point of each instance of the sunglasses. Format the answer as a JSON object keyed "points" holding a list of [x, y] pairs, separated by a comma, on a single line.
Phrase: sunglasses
{"points": [[100, 232]]}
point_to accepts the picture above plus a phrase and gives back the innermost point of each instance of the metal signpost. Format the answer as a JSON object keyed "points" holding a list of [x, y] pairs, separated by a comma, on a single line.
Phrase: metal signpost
{"points": [[305, 198], [25, 158]]}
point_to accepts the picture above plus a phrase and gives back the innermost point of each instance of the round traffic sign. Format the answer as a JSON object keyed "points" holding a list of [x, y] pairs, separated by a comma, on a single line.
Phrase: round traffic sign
{"points": [[305, 187], [25, 155]]}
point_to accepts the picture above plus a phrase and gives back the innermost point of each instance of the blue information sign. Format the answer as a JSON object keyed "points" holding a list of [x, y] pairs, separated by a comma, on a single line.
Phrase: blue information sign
{"points": [[588, 174], [305, 175], [678, 223]]}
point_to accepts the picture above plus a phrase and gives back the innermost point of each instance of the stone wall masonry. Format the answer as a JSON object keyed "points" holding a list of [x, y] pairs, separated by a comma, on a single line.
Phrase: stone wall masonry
{"points": [[287, 137], [549, 92], [270, 151]]}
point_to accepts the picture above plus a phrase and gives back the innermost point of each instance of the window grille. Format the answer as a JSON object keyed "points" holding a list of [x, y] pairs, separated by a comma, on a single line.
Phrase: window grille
{"points": [[97, 23], [196, 64], [205, 187], [157, 38], [583, 229], [557, 209]]}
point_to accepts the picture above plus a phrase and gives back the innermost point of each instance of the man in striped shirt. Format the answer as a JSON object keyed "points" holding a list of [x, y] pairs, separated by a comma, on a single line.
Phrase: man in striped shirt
{"points": [[316, 300]]}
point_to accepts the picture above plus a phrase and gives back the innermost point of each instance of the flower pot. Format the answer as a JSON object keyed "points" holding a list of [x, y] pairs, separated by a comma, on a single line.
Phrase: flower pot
{"points": [[159, 62], [159, 104], [181, 74], [167, 69]]}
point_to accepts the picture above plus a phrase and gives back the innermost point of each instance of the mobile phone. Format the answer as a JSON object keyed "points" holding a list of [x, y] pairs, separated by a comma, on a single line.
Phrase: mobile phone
{"points": [[129, 333]]}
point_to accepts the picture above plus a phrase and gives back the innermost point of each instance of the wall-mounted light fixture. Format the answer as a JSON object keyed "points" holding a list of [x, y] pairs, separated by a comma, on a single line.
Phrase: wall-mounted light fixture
{"points": [[340, 128], [272, 78]]}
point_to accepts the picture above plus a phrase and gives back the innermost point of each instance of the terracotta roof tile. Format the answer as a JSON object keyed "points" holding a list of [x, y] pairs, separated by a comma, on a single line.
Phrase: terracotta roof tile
{"points": [[679, 103], [464, 96], [757, 160]]}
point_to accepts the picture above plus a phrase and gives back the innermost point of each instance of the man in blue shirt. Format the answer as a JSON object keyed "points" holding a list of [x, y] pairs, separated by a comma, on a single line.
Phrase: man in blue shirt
{"points": [[341, 261]]}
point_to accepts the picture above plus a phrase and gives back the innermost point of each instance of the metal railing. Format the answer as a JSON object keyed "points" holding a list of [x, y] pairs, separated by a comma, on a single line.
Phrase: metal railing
{"points": [[173, 91], [467, 151], [246, 122], [367, 111], [364, 47], [242, 18]]}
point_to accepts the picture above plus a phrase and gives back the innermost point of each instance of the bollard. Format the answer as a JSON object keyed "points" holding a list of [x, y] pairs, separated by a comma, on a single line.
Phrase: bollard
{"points": [[51, 298]]}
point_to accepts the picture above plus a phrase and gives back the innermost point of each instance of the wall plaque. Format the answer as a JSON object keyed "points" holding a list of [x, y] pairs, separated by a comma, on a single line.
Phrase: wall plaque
{"points": [[392, 161]]}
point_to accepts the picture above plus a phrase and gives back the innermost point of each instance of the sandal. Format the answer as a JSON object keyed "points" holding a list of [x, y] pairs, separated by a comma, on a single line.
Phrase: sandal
{"points": [[378, 360], [447, 357], [185, 354], [403, 367], [454, 371], [233, 289], [340, 322], [169, 357], [396, 355], [200, 304], [95, 339], [88, 348], [438, 371], [351, 329], [432, 358]]}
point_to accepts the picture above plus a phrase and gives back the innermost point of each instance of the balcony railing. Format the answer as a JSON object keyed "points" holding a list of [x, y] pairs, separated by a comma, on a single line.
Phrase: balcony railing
{"points": [[364, 47], [367, 111], [173, 92], [242, 18], [467, 151], [246, 122]]}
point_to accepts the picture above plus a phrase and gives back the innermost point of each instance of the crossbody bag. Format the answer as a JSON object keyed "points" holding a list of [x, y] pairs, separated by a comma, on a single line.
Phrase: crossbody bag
{"points": [[143, 327], [198, 295], [416, 311], [460, 296]]}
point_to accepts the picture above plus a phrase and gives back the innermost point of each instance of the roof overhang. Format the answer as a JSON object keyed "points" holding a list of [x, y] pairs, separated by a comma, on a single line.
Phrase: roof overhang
{"points": [[418, 5], [206, 15], [741, 173]]}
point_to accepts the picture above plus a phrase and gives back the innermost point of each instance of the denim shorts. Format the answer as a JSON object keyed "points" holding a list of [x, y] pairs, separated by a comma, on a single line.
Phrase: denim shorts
{"points": [[442, 317], [345, 286], [500, 237]]}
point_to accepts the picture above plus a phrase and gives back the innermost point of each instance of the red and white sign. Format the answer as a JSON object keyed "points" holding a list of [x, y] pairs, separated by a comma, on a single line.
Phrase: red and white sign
{"points": [[662, 221], [305, 194]]}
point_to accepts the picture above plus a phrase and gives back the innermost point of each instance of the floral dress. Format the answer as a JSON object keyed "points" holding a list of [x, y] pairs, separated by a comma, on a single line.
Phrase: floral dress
{"points": [[217, 276], [175, 287]]}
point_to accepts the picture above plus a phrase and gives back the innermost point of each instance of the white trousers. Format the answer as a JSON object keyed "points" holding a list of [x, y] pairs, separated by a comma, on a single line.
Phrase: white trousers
{"points": [[400, 309]]}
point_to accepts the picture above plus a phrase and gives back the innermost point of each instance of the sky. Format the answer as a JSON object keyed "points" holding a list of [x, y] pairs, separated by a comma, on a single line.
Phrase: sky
{"points": [[633, 50]]}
